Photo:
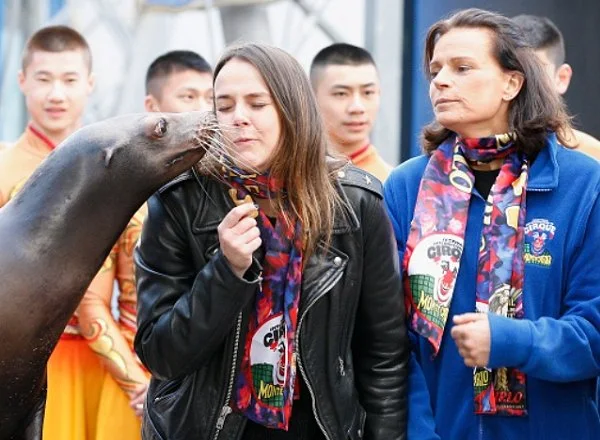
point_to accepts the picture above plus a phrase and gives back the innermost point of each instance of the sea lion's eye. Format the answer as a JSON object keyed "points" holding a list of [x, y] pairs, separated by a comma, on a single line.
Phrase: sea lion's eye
{"points": [[161, 127]]}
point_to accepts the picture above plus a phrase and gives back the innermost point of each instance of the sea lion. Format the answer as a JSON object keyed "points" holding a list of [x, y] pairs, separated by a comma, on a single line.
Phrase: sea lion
{"points": [[56, 233]]}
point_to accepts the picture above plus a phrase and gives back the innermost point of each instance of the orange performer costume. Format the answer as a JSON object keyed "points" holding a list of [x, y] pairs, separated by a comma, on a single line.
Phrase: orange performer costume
{"points": [[93, 369], [368, 159], [112, 340]]}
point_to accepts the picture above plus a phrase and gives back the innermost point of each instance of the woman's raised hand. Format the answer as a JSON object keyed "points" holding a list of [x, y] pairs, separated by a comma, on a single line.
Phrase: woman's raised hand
{"points": [[239, 237]]}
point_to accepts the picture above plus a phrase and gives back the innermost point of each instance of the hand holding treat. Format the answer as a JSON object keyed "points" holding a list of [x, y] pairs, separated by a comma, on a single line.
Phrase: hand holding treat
{"points": [[239, 236]]}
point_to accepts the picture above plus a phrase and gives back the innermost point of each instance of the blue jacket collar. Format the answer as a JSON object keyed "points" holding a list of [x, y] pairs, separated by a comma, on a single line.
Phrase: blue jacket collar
{"points": [[543, 175]]}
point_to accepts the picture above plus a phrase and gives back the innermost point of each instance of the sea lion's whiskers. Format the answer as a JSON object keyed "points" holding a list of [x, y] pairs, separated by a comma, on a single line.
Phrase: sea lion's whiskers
{"points": [[217, 147], [230, 152]]}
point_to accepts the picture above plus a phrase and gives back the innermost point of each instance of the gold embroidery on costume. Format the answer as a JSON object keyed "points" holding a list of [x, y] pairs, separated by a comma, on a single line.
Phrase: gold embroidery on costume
{"points": [[103, 344]]}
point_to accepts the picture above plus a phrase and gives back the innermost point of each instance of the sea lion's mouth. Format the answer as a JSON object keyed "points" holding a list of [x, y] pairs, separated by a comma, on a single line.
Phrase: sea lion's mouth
{"points": [[183, 155], [174, 161], [198, 145]]}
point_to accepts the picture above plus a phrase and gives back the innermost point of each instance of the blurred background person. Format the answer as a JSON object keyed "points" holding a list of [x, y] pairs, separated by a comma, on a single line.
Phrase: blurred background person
{"points": [[179, 81], [346, 83], [547, 40], [56, 80]]}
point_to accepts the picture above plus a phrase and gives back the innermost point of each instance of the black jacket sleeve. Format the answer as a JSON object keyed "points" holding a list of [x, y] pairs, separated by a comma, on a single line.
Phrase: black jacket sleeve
{"points": [[381, 345], [185, 312]]}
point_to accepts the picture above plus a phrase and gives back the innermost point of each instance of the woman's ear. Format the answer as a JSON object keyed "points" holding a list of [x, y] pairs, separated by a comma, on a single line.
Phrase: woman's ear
{"points": [[514, 82]]}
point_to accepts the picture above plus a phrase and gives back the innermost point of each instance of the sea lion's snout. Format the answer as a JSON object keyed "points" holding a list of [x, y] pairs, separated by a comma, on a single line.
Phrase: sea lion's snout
{"points": [[197, 133]]}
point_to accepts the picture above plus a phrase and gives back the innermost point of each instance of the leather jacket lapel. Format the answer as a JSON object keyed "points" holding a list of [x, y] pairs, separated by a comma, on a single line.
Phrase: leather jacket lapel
{"points": [[321, 273]]}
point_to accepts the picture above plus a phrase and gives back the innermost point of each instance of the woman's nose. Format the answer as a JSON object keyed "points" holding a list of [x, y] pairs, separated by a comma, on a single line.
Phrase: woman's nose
{"points": [[240, 115], [441, 78]]}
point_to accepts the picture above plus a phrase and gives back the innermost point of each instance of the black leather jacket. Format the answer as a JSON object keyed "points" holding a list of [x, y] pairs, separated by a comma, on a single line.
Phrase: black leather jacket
{"points": [[193, 313]]}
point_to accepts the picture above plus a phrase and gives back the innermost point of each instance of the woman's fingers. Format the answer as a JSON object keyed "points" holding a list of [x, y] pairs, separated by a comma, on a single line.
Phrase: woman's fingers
{"points": [[239, 237]]}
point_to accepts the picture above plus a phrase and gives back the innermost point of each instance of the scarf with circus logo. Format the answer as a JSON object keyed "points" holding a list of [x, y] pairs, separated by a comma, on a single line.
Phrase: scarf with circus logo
{"points": [[266, 382], [435, 245]]}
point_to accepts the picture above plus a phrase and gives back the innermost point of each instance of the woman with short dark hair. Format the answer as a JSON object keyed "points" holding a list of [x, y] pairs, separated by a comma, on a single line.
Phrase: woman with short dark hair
{"points": [[497, 228]]}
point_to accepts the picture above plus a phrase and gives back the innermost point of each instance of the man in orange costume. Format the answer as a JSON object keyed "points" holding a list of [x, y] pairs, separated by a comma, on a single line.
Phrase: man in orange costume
{"points": [[346, 84]]}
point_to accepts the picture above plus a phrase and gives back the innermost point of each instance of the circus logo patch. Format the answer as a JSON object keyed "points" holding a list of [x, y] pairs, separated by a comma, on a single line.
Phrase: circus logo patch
{"points": [[268, 361], [538, 233], [432, 272]]}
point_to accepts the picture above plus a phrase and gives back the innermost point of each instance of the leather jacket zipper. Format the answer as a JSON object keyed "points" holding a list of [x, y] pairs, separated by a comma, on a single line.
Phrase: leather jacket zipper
{"points": [[337, 276], [226, 409]]}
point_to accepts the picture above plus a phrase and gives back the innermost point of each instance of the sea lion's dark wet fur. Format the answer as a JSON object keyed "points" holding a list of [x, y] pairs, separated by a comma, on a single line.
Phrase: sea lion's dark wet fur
{"points": [[56, 233]]}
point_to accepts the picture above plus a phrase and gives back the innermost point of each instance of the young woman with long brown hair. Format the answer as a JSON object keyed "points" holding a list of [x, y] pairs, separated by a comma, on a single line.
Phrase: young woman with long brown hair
{"points": [[270, 304]]}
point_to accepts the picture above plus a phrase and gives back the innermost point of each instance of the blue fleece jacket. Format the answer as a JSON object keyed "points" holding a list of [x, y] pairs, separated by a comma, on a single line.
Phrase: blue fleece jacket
{"points": [[557, 345]]}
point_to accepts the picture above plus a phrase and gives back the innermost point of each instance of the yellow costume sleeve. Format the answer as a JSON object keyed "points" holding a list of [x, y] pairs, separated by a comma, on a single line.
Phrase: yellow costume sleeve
{"points": [[105, 337], [125, 274]]}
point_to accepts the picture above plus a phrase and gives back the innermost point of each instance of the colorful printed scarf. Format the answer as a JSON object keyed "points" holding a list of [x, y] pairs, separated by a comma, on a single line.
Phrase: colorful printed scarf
{"points": [[435, 245], [265, 385]]}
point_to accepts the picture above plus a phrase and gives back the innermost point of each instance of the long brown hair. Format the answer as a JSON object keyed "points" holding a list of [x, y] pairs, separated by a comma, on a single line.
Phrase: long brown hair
{"points": [[300, 159], [536, 109]]}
